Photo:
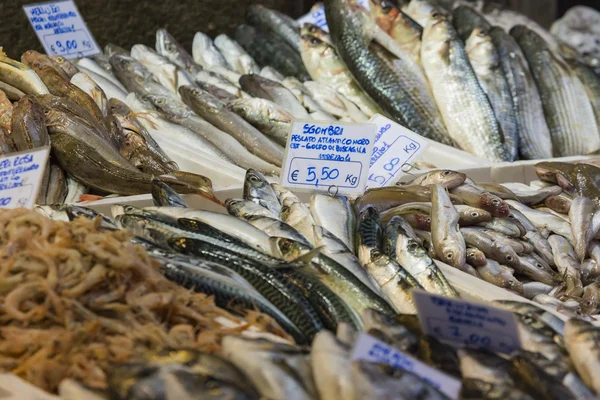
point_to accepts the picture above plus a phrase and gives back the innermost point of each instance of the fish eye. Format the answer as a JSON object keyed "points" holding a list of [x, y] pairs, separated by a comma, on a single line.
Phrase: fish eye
{"points": [[474, 214], [449, 256], [160, 101], [540, 266], [169, 47], [428, 219], [446, 172], [315, 41], [509, 258], [413, 246], [254, 179], [496, 202], [435, 14], [510, 283]]}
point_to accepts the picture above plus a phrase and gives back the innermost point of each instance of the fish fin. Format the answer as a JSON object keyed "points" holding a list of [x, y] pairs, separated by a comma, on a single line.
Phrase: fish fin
{"points": [[308, 257]]}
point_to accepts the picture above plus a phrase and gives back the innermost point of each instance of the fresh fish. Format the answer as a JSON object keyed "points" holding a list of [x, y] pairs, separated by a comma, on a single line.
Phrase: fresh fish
{"points": [[267, 48], [581, 215], [335, 214], [28, 129], [275, 227], [167, 46], [447, 178], [486, 65], [475, 389], [475, 257], [399, 237], [543, 220], [568, 111], [405, 31], [534, 135], [268, 117], [211, 108], [532, 235], [92, 68], [278, 371], [57, 185], [325, 66], [422, 11], [391, 331], [466, 20], [304, 96], [67, 66], [334, 103], [581, 340], [236, 56], [448, 242], [535, 376], [164, 71], [267, 19], [247, 208], [500, 276], [504, 226], [89, 86], [273, 91], [206, 77], [464, 106], [33, 59], [560, 203], [589, 303], [565, 260], [21, 77], [297, 215], [258, 190], [397, 85], [384, 198], [499, 190], [11, 92], [380, 381], [533, 311], [111, 48], [75, 190], [532, 289], [205, 53], [394, 281], [467, 215], [330, 362], [164, 196]]}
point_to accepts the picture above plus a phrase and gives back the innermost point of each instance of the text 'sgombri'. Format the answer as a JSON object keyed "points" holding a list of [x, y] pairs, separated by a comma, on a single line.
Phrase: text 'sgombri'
{"points": [[395, 148], [467, 323], [322, 155], [61, 29], [21, 176]]}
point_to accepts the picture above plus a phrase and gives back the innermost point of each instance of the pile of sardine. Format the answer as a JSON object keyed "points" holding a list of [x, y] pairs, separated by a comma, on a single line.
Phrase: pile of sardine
{"points": [[456, 77], [296, 263]]}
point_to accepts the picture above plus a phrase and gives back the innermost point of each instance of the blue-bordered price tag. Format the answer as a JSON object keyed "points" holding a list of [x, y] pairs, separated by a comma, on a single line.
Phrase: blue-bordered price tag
{"points": [[322, 155], [21, 177], [467, 323], [367, 348], [60, 28], [394, 150]]}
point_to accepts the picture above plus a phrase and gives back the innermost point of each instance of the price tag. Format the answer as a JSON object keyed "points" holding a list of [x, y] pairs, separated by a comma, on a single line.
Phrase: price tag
{"points": [[321, 155], [21, 177], [316, 16], [368, 348], [466, 323], [395, 147], [61, 29]]}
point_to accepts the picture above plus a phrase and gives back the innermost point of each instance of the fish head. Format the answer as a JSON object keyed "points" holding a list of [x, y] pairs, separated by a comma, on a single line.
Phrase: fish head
{"points": [[422, 11], [313, 45], [385, 13], [256, 185], [166, 45], [494, 205], [288, 248], [528, 38], [453, 254], [473, 215], [33, 59], [165, 103], [419, 221], [475, 257], [447, 178], [479, 45]]}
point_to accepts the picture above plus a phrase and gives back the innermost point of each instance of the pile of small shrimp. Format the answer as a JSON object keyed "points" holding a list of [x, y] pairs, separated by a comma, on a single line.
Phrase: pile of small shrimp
{"points": [[76, 300]]}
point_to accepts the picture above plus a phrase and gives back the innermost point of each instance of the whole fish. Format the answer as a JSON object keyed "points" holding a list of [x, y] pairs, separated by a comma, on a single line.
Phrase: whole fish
{"points": [[205, 53], [534, 135], [568, 111], [137, 78], [108, 86], [504, 226], [258, 190], [268, 117], [467, 215], [463, 104], [334, 213], [32, 59], [466, 19], [448, 242], [11, 92], [384, 198], [394, 281], [215, 112], [236, 56], [398, 237], [28, 128], [581, 339], [57, 185], [475, 257], [268, 48], [476, 197], [267, 19], [89, 86], [500, 275], [565, 260], [447, 178], [297, 214], [278, 371], [167, 46], [423, 10], [543, 220], [325, 66], [264, 88], [395, 84], [334, 103], [581, 214], [590, 270], [275, 227], [405, 31], [486, 65], [164, 71], [247, 208], [21, 77], [486, 366], [533, 197], [206, 77]]}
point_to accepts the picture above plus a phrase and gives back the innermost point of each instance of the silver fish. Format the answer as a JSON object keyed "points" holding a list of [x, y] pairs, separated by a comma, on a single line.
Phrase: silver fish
{"points": [[334, 213], [205, 53], [236, 56], [448, 242]]}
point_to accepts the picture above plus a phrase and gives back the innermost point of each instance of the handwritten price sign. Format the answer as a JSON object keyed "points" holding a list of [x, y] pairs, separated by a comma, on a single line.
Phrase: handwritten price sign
{"points": [[319, 156], [21, 177], [395, 147], [61, 29]]}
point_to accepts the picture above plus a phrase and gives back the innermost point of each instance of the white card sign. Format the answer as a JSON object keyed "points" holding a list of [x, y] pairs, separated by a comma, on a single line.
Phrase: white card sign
{"points": [[322, 155], [394, 149], [466, 323], [367, 348], [61, 29], [21, 177]]}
